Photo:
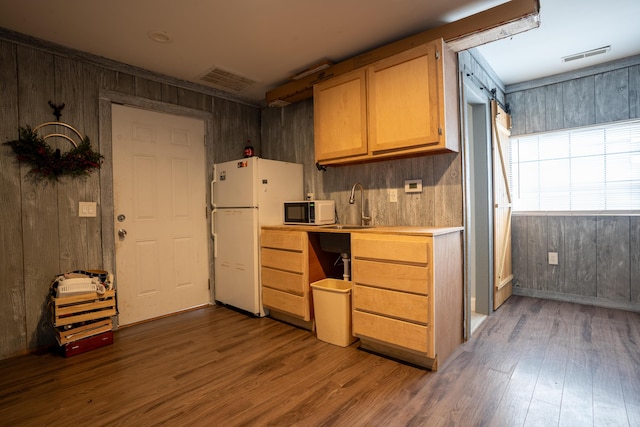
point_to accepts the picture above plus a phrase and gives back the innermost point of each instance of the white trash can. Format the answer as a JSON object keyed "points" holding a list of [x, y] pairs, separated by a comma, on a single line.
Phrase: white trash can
{"points": [[332, 308]]}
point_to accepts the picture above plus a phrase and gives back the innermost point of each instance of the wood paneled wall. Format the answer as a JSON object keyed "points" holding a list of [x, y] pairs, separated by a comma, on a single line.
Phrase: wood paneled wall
{"points": [[599, 256], [287, 134], [474, 67], [41, 234], [592, 96]]}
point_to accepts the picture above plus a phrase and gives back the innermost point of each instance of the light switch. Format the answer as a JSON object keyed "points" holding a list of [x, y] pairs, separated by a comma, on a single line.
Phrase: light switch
{"points": [[87, 209], [553, 258]]}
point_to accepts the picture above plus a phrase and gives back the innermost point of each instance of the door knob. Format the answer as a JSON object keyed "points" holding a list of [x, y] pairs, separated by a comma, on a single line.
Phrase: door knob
{"points": [[122, 233]]}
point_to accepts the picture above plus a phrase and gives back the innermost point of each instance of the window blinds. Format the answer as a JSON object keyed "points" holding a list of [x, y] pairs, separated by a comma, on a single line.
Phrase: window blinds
{"points": [[586, 169]]}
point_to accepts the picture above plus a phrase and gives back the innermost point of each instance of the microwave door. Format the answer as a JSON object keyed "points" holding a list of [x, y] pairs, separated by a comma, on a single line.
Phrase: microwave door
{"points": [[297, 213]]}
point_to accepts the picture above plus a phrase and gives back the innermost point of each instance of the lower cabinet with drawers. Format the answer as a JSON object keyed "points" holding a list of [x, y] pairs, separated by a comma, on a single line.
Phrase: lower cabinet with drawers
{"points": [[285, 272], [290, 262], [408, 295]]}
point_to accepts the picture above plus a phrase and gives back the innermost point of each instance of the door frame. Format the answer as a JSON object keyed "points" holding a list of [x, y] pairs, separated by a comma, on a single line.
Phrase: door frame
{"points": [[106, 98], [475, 111]]}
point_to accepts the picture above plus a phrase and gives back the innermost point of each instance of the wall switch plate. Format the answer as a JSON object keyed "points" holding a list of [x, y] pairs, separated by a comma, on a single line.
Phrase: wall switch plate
{"points": [[553, 258], [87, 209], [393, 195]]}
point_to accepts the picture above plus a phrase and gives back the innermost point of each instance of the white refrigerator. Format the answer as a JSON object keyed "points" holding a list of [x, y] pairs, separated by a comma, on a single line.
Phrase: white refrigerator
{"points": [[247, 194]]}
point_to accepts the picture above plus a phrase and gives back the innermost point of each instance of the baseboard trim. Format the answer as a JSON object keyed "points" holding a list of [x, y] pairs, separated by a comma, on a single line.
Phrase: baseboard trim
{"points": [[578, 299]]}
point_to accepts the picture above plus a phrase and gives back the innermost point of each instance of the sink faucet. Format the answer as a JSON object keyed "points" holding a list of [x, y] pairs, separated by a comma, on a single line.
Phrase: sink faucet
{"points": [[352, 200]]}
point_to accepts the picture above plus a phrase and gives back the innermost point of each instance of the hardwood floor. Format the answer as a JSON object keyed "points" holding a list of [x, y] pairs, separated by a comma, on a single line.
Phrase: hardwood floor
{"points": [[533, 362]]}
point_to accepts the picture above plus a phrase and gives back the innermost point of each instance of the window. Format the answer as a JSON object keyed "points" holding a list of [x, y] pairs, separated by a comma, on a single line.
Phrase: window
{"points": [[586, 169]]}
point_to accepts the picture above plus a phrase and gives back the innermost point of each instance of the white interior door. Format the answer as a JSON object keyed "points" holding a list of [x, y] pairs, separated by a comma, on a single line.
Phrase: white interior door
{"points": [[159, 188]]}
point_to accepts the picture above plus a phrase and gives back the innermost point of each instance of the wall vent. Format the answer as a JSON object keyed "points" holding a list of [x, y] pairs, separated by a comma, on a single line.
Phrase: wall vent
{"points": [[586, 54], [226, 80]]}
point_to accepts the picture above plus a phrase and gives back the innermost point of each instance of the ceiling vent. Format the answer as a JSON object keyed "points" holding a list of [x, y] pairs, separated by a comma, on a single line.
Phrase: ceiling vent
{"points": [[586, 54], [225, 80]]}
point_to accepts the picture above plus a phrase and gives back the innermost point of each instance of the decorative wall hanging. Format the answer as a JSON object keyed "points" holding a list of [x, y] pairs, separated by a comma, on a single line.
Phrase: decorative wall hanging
{"points": [[49, 163]]}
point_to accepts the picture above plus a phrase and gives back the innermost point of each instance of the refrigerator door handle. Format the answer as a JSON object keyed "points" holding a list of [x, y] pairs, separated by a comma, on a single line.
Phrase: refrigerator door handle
{"points": [[211, 194], [213, 233]]}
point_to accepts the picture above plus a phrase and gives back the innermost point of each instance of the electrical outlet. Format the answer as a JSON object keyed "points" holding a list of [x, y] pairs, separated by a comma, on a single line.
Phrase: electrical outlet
{"points": [[393, 195], [553, 258]]}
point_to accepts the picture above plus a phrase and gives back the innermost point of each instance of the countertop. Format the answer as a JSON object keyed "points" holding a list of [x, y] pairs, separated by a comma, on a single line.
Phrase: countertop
{"points": [[404, 230]]}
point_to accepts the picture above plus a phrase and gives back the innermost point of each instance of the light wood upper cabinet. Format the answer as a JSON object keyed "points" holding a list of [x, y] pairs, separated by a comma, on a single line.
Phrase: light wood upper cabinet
{"points": [[341, 103], [400, 106], [403, 100]]}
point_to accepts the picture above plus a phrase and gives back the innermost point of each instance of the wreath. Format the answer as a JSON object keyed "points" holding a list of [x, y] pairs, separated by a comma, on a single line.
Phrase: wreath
{"points": [[47, 162]]}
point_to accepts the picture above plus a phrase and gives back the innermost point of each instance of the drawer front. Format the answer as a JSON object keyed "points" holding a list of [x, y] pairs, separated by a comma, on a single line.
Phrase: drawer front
{"points": [[392, 331], [406, 249], [283, 260], [284, 281], [401, 277], [289, 240], [287, 303], [411, 307]]}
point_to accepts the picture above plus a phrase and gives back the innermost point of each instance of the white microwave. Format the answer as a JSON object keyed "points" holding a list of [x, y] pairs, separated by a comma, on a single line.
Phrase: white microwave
{"points": [[310, 212]]}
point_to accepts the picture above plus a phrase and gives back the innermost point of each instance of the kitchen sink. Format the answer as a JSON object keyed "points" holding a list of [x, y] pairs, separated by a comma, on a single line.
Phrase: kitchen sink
{"points": [[335, 242], [347, 227], [338, 242]]}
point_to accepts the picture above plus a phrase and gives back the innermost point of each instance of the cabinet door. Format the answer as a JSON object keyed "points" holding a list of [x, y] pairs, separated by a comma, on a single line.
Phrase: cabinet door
{"points": [[287, 240], [392, 247], [393, 331], [404, 100], [340, 117], [399, 277], [399, 305], [285, 302]]}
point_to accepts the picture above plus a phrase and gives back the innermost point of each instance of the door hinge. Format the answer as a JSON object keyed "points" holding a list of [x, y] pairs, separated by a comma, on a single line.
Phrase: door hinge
{"points": [[439, 131], [437, 55], [209, 283]]}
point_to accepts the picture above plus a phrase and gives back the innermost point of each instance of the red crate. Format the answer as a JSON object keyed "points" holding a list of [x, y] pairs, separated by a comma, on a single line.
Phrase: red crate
{"points": [[87, 344]]}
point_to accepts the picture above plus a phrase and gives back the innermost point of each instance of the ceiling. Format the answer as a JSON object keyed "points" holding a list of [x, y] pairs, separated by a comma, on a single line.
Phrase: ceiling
{"points": [[567, 27], [266, 42]]}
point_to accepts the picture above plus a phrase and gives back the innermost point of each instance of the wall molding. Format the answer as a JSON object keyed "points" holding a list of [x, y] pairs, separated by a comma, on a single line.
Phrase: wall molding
{"points": [[482, 62], [575, 74], [60, 50], [577, 299], [576, 213]]}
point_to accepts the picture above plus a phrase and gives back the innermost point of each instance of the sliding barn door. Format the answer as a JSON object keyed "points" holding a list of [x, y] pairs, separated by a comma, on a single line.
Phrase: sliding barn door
{"points": [[502, 273]]}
